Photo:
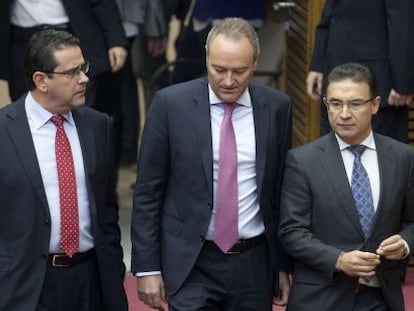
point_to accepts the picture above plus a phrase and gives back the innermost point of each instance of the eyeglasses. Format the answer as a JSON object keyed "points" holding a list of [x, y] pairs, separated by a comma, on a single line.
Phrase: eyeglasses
{"points": [[74, 72], [354, 105]]}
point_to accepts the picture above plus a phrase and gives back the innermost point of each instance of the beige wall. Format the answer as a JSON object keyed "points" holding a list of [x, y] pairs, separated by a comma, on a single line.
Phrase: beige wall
{"points": [[4, 94]]}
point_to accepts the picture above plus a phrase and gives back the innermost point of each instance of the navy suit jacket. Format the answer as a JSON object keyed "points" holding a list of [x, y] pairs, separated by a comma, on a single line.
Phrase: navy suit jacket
{"points": [[25, 218], [173, 198], [96, 23], [319, 220]]}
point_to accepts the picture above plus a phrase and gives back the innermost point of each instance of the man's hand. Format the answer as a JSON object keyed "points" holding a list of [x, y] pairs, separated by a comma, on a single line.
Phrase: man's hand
{"points": [[358, 263], [157, 46], [281, 299], [151, 291], [392, 248], [314, 84], [398, 100], [117, 57]]}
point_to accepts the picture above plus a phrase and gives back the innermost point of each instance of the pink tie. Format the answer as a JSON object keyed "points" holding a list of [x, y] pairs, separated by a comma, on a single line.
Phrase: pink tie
{"points": [[226, 232], [69, 218]]}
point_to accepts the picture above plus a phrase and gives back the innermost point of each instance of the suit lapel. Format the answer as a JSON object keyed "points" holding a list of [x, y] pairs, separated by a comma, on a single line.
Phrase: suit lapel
{"points": [[87, 142], [86, 139], [261, 124], [386, 167], [332, 164], [21, 137], [202, 126]]}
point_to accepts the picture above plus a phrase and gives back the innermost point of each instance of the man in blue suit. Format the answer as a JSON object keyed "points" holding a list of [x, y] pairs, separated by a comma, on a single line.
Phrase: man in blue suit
{"points": [[37, 272], [176, 199]]}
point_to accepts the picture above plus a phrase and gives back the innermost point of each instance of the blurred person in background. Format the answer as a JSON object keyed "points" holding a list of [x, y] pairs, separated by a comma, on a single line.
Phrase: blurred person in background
{"points": [[377, 33]]}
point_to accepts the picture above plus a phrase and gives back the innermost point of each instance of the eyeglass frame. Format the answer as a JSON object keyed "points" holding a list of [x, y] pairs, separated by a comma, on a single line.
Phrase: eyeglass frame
{"points": [[358, 105], [74, 72]]}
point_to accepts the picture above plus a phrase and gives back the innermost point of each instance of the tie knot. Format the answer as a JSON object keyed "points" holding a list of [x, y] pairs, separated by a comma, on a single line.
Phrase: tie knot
{"points": [[58, 120], [229, 108], [357, 150]]}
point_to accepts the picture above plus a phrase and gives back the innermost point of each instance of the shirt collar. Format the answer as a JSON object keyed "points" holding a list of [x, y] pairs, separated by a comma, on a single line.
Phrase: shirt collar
{"points": [[39, 115], [368, 142], [244, 99]]}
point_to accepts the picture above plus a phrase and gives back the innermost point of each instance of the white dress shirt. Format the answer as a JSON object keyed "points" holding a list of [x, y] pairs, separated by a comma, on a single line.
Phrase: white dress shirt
{"points": [[43, 133], [250, 218], [29, 13]]}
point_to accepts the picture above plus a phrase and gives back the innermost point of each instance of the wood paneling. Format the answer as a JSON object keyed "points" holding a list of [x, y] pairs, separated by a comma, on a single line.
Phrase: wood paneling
{"points": [[303, 19]]}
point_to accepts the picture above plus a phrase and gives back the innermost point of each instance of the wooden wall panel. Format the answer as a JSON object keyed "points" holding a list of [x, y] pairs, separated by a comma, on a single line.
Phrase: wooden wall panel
{"points": [[303, 19]]}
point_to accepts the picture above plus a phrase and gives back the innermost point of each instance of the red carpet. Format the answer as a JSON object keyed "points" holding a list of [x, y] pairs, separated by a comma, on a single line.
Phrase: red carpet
{"points": [[136, 305]]}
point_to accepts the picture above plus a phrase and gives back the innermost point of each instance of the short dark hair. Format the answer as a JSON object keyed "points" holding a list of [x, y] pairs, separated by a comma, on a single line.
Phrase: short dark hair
{"points": [[39, 53], [355, 72]]}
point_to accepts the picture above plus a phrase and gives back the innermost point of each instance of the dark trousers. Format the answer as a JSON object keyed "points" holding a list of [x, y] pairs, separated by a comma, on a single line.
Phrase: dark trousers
{"points": [[370, 299], [72, 288], [220, 282], [191, 55], [130, 112]]}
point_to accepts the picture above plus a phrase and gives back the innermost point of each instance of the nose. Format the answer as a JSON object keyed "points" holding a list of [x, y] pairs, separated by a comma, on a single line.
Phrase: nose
{"points": [[83, 78], [345, 112], [228, 80]]}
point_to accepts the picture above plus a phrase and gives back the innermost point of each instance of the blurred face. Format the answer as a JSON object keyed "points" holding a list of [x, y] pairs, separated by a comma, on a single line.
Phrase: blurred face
{"points": [[66, 88], [350, 110], [230, 67]]}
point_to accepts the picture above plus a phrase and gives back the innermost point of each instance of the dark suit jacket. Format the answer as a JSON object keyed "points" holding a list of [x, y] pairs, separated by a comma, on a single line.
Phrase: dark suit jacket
{"points": [[173, 197], [319, 220], [25, 218], [377, 33], [96, 23]]}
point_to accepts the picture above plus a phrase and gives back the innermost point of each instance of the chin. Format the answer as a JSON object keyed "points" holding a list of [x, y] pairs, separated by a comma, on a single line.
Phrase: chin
{"points": [[227, 98]]}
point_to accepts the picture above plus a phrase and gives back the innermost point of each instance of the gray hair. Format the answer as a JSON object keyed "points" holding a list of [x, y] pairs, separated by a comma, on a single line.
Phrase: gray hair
{"points": [[235, 28]]}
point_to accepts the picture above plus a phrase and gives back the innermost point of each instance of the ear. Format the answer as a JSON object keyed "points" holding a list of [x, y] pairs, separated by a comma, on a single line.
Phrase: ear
{"points": [[255, 63], [375, 104], [39, 79]]}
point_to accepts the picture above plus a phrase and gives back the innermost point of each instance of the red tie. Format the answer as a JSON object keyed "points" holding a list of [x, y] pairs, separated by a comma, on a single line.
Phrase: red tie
{"points": [[226, 231], [69, 218]]}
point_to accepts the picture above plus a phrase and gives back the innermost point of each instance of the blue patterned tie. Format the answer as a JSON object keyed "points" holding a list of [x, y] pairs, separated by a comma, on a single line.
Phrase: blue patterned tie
{"points": [[361, 190]]}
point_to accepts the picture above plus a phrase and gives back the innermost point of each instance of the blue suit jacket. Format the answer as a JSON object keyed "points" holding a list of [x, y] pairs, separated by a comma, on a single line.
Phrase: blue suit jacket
{"points": [[173, 197]]}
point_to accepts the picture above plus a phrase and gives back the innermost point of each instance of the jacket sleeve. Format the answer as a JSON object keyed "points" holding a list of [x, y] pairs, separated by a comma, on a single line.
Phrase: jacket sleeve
{"points": [[107, 16], [321, 38]]}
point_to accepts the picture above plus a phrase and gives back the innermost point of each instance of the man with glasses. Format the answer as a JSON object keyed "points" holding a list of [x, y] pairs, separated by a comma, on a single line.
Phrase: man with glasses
{"points": [[347, 201], [59, 238]]}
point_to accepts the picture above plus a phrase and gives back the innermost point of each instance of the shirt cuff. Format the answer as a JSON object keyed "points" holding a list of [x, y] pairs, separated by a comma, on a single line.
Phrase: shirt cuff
{"points": [[406, 250]]}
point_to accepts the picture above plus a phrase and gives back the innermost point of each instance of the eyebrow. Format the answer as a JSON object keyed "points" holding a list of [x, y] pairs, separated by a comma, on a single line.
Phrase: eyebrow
{"points": [[233, 69]]}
